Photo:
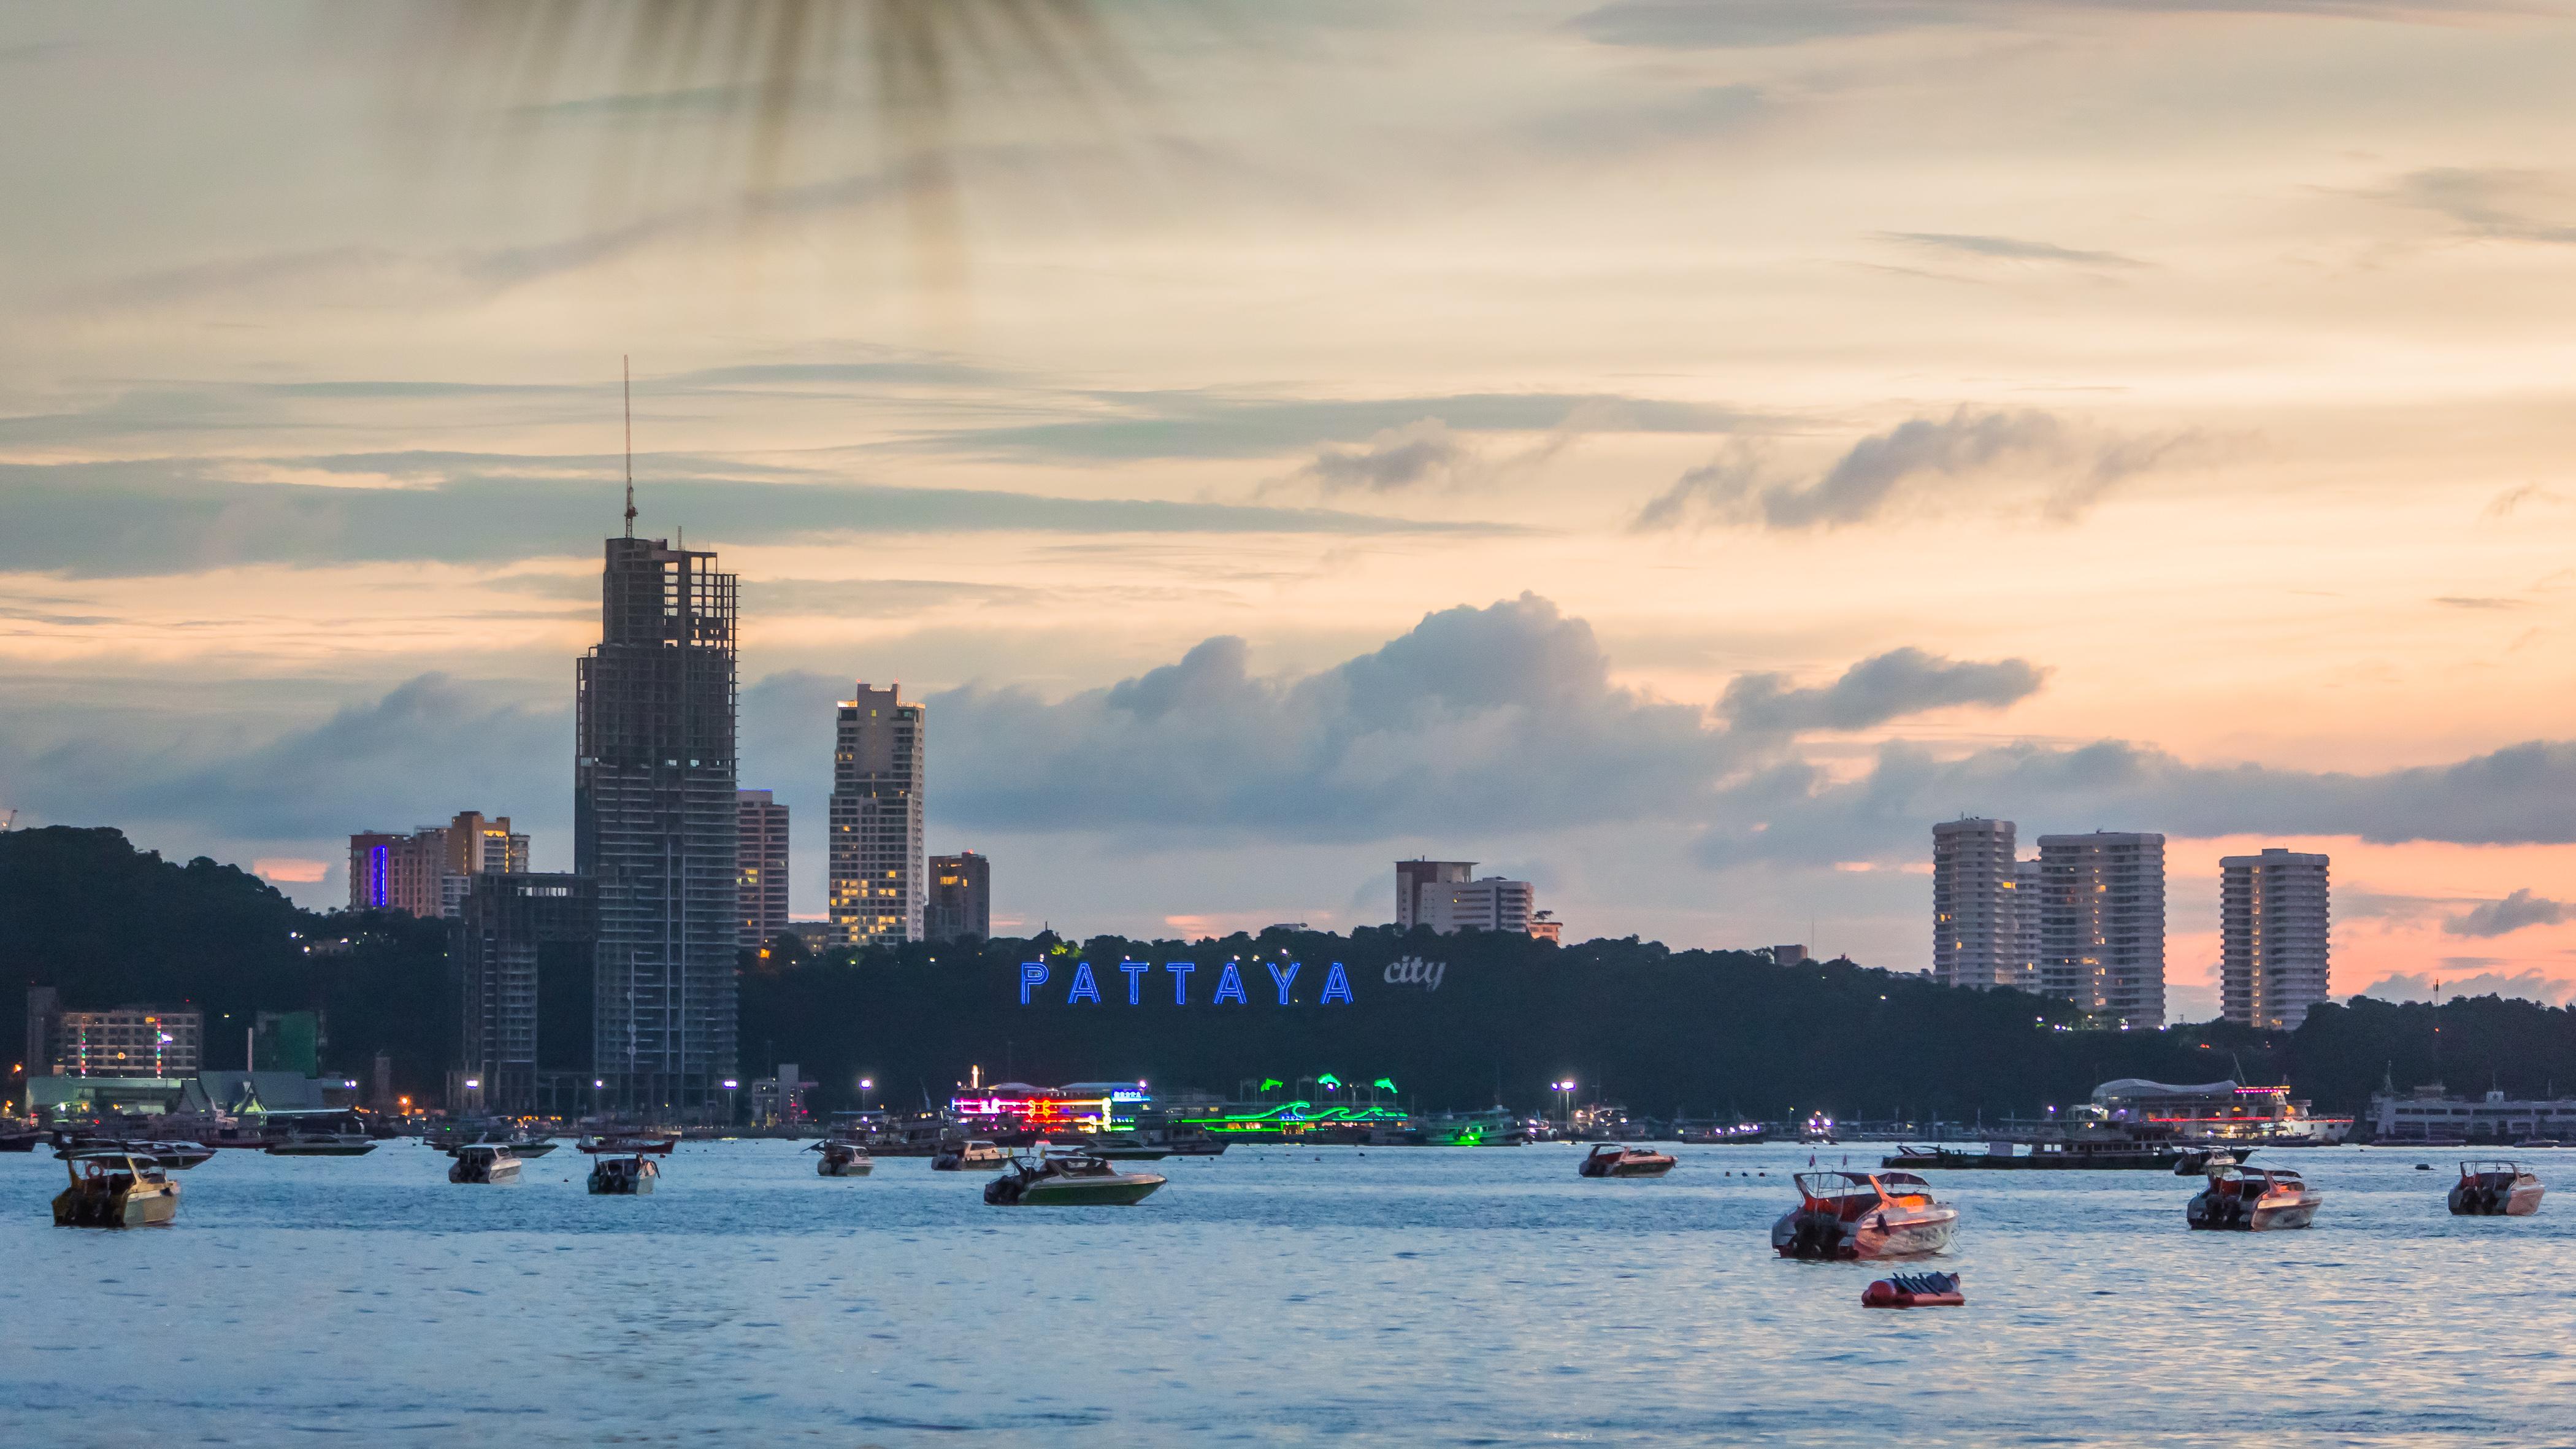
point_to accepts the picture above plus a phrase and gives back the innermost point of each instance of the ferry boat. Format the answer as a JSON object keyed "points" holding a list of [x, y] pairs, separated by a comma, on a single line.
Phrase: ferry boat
{"points": [[2077, 1149], [2217, 1112], [630, 1176], [110, 1189], [322, 1144], [1610, 1159], [1855, 1215], [2253, 1200], [483, 1162], [970, 1156], [843, 1159], [2495, 1190], [1070, 1179]]}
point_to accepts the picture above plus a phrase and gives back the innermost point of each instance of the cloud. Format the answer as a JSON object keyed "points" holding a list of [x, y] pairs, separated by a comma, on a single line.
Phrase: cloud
{"points": [[2004, 248], [2463, 601], [1141, 425], [1791, 810], [176, 516], [1877, 470], [1738, 24], [1395, 459], [1876, 690], [2488, 203], [2504, 503], [2520, 985], [2504, 917]]}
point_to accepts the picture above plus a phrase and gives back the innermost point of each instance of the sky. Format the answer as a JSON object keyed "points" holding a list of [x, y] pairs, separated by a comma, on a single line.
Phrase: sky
{"points": [[1672, 451]]}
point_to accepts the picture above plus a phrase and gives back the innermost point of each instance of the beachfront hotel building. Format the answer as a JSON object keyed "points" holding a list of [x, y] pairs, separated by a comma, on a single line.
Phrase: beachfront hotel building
{"points": [[656, 825], [2273, 921], [1976, 924], [2102, 925], [878, 885]]}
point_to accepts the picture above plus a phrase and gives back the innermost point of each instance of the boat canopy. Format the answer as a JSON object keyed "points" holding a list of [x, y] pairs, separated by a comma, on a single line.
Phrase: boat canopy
{"points": [[2141, 1087]]}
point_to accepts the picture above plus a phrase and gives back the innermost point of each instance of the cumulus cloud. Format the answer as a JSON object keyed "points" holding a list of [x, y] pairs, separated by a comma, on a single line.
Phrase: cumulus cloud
{"points": [[1876, 690], [2504, 917], [2078, 467]]}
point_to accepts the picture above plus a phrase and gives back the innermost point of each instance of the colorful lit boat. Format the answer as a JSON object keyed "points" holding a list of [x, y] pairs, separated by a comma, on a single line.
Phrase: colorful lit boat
{"points": [[483, 1162], [1854, 1215], [2253, 1200], [110, 1189], [2495, 1190], [1070, 1179], [1611, 1159]]}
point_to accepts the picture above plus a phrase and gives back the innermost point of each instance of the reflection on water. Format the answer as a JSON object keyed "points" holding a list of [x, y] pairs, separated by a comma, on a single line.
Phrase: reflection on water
{"points": [[1389, 1295]]}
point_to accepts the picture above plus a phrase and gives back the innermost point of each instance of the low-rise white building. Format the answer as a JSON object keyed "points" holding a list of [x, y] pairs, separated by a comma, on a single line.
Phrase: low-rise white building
{"points": [[2427, 1115]]}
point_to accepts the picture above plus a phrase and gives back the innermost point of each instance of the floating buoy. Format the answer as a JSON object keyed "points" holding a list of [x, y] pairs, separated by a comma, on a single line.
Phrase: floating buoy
{"points": [[1914, 1290]]}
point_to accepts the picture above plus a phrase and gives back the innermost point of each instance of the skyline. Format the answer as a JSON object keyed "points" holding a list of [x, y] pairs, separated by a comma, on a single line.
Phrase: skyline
{"points": [[1570, 442]]}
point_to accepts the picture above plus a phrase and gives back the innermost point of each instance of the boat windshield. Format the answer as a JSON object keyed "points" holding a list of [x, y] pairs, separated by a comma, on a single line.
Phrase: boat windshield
{"points": [[1839, 1184], [2481, 1169]]}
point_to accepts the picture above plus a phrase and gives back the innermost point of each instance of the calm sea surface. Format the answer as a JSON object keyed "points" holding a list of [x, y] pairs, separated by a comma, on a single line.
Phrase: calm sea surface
{"points": [[1389, 1295]]}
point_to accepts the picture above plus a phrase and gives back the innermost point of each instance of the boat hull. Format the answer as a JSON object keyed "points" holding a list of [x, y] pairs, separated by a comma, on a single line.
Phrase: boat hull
{"points": [[1126, 1191], [1629, 1169], [860, 1167], [2218, 1214], [1879, 1233], [284, 1149], [142, 1207], [492, 1176], [2520, 1202]]}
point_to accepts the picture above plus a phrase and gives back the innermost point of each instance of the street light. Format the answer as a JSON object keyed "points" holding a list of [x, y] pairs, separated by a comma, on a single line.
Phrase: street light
{"points": [[866, 1086], [1566, 1088]]}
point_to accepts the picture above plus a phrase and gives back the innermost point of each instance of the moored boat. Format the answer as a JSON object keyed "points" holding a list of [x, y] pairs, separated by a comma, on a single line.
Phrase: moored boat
{"points": [[631, 1144], [631, 1176], [175, 1156], [14, 1138], [1854, 1215], [483, 1162], [970, 1156], [843, 1159], [110, 1189], [1070, 1179], [2253, 1200], [1610, 1159], [322, 1144], [2495, 1190]]}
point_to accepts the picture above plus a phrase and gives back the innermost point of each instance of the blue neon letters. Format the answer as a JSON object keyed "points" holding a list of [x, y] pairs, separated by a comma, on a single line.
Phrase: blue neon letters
{"points": [[1085, 988]]}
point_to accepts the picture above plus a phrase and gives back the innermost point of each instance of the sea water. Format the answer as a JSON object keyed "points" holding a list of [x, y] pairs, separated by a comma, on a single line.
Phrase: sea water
{"points": [[1274, 1295]]}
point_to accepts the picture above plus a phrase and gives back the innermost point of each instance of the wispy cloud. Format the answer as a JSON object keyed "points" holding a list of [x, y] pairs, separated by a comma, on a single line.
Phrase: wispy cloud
{"points": [[2004, 248], [1892, 685]]}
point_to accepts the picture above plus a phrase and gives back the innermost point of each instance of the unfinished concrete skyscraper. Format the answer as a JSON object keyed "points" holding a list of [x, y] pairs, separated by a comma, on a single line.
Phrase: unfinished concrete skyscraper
{"points": [[654, 826]]}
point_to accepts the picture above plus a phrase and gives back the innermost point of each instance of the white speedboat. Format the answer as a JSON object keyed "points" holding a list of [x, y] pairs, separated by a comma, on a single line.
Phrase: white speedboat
{"points": [[623, 1176], [483, 1162], [1611, 1159], [2253, 1200], [1853, 1215], [2495, 1190], [1071, 1179], [977, 1156], [843, 1159], [113, 1189]]}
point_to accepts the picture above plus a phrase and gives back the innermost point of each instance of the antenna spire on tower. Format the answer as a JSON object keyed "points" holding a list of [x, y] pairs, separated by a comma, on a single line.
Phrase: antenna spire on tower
{"points": [[626, 378]]}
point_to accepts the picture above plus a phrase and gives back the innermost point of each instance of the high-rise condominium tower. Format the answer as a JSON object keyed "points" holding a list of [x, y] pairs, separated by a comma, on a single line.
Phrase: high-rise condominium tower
{"points": [[961, 898], [655, 827], [760, 864], [2102, 925], [878, 885], [2025, 914], [2273, 919], [1975, 929]]}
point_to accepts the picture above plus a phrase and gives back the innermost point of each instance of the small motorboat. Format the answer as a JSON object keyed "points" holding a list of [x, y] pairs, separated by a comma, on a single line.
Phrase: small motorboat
{"points": [[2253, 1200], [1069, 1179], [483, 1162], [1914, 1290], [14, 1138], [2495, 1190], [322, 1144], [1126, 1147], [113, 1189], [1853, 1215], [843, 1159], [2203, 1162], [623, 1176], [975, 1156], [1610, 1159], [175, 1156]]}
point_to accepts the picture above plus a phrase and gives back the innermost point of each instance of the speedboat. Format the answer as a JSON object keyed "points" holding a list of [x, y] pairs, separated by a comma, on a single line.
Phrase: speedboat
{"points": [[628, 1145], [1610, 1159], [2495, 1190], [483, 1162], [976, 1156], [843, 1159], [322, 1144], [1069, 1179], [1850, 1215], [176, 1156], [113, 1189], [2253, 1200], [1126, 1147], [623, 1176]]}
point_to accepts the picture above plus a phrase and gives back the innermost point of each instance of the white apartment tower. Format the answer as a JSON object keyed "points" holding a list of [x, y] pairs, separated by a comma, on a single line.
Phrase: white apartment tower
{"points": [[879, 880], [2025, 911], [2273, 920], [1975, 932], [2102, 925]]}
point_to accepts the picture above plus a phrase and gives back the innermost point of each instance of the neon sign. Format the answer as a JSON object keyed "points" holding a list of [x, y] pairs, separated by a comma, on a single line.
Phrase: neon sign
{"points": [[1085, 987]]}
